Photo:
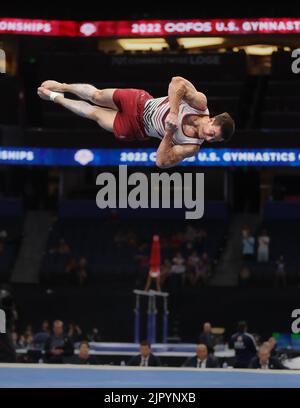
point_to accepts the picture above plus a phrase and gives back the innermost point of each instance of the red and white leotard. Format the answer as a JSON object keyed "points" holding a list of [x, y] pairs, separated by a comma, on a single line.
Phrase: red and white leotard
{"points": [[155, 113], [141, 116]]}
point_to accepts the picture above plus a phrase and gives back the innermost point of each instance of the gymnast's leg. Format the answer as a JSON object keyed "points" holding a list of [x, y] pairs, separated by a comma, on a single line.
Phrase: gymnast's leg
{"points": [[103, 116], [101, 97]]}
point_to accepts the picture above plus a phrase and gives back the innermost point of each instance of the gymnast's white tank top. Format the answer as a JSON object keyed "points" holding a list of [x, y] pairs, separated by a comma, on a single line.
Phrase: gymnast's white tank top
{"points": [[155, 113]]}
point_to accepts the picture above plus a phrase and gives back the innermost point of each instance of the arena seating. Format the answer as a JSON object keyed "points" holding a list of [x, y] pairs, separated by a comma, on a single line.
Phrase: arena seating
{"points": [[281, 219], [11, 227], [10, 92], [96, 239], [281, 103]]}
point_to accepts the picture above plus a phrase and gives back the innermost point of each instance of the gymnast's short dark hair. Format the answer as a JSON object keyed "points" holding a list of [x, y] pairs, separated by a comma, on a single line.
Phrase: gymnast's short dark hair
{"points": [[227, 125]]}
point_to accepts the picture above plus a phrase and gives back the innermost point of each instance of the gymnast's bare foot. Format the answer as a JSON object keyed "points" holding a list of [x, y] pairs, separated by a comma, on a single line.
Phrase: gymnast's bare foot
{"points": [[44, 93], [48, 95], [53, 86]]}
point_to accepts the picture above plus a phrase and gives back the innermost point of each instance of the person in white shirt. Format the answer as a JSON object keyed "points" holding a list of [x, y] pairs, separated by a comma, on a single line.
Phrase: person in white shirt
{"points": [[263, 247], [248, 242], [178, 270], [202, 359], [264, 361], [145, 358]]}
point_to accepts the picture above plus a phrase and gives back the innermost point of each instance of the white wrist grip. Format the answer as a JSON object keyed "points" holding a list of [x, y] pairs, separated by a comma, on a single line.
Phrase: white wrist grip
{"points": [[53, 95]]}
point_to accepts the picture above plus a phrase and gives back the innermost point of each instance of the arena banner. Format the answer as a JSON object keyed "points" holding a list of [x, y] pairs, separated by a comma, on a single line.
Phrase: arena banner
{"points": [[190, 27], [142, 28], [146, 157], [18, 26]]}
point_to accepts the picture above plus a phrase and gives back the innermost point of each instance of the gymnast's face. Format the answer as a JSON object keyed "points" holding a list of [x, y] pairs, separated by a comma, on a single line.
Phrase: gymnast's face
{"points": [[210, 132]]}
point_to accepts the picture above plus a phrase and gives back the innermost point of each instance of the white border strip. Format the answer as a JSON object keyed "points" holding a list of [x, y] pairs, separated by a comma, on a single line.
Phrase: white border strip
{"points": [[126, 368]]}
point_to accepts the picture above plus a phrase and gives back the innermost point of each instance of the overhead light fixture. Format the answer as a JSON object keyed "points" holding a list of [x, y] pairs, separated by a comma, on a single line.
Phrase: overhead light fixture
{"points": [[143, 44], [260, 49], [196, 42]]}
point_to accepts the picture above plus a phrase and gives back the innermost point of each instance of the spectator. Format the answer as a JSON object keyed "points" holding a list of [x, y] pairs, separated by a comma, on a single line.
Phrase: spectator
{"points": [[14, 339], [206, 261], [25, 340], [248, 244], [62, 249], [22, 342], [194, 258], [207, 337], [177, 272], [45, 327], [264, 361], [245, 277], [263, 247], [94, 336], [29, 330], [200, 240], [177, 240], [82, 271], [201, 273], [202, 359], [58, 345], [190, 233], [145, 358], [83, 356], [165, 270], [28, 337], [273, 346], [71, 270], [192, 268], [75, 333], [189, 237], [280, 273], [131, 240], [244, 345], [7, 350]]}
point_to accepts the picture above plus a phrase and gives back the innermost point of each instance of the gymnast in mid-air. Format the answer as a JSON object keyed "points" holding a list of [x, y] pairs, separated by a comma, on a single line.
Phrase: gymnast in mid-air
{"points": [[181, 120]]}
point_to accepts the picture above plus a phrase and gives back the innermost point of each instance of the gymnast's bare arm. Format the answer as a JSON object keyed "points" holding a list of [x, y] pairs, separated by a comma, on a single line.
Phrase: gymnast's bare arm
{"points": [[169, 155], [181, 89]]}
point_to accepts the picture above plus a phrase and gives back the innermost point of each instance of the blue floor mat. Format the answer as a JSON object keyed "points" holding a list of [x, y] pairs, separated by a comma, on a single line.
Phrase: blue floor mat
{"points": [[30, 376]]}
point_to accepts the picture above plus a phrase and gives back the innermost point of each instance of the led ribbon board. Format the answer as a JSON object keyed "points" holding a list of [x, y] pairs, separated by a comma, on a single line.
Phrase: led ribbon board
{"points": [[146, 157], [153, 28]]}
